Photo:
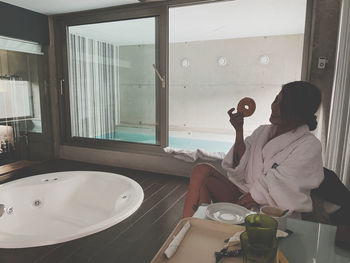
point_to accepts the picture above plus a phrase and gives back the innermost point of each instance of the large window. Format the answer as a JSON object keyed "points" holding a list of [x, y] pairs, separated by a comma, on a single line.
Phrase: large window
{"points": [[209, 56], [225, 52], [112, 85]]}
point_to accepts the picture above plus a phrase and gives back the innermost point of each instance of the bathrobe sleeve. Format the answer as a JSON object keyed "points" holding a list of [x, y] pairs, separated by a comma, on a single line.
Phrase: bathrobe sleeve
{"points": [[289, 184], [237, 174]]}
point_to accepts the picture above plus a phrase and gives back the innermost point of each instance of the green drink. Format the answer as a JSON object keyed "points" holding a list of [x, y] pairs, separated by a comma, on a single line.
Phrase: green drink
{"points": [[258, 253], [261, 229]]}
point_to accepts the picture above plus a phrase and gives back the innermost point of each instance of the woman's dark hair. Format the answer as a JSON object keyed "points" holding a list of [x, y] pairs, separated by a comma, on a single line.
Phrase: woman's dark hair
{"points": [[300, 101]]}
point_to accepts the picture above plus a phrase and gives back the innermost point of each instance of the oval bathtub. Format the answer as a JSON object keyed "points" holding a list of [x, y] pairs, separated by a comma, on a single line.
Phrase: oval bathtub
{"points": [[57, 207]]}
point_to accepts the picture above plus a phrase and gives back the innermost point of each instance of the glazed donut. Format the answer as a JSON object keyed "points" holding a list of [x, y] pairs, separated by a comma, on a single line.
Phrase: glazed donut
{"points": [[246, 106]]}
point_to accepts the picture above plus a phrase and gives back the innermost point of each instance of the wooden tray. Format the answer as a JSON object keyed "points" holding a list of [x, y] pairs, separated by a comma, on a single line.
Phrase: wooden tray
{"points": [[200, 242]]}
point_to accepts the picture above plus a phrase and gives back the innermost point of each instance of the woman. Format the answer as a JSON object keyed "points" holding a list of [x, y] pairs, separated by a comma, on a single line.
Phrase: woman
{"points": [[277, 165]]}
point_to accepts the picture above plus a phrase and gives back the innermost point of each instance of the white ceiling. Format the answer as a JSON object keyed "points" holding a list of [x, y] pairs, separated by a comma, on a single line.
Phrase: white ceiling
{"points": [[221, 20], [52, 7], [128, 32], [237, 19]]}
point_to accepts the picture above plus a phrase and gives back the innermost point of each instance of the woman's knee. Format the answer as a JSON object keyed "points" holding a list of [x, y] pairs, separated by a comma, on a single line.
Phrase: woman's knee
{"points": [[201, 171], [202, 168]]}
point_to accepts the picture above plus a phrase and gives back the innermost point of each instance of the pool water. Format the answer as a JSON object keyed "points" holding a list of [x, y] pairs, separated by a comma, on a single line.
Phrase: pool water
{"points": [[174, 142], [194, 144]]}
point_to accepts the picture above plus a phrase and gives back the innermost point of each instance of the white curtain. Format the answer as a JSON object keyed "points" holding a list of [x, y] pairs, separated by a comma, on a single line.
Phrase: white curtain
{"points": [[338, 143], [94, 92], [15, 99]]}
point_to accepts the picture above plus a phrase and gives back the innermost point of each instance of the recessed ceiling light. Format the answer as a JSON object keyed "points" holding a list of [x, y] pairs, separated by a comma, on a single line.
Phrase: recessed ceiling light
{"points": [[222, 61], [185, 63], [264, 59]]}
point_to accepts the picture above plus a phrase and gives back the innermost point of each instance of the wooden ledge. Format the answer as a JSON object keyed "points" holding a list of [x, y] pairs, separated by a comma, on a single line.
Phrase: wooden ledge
{"points": [[13, 167]]}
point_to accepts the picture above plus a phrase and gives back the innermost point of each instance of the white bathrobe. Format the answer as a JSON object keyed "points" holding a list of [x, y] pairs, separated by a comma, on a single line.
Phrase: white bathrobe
{"points": [[279, 172]]}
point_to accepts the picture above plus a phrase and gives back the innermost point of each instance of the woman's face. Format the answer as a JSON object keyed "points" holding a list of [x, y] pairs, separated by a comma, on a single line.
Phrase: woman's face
{"points": [[275, 117]]}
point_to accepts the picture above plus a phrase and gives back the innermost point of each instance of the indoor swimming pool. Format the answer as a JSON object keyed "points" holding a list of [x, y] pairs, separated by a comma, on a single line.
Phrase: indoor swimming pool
{"points": [[188, 143]]}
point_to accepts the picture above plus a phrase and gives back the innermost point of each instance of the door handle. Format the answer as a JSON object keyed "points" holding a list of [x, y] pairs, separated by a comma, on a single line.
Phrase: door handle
{"points": [[61, 86], [162, 79]]}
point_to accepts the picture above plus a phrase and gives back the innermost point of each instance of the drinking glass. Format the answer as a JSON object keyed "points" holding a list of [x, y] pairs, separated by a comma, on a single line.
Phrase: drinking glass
{"points": [[258, 253], [275, 213], [261, 229]]}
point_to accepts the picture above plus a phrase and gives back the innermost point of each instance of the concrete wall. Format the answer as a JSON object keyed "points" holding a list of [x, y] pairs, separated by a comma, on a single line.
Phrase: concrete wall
{"points": [[324, 38], [201, 94], [137, 85]]}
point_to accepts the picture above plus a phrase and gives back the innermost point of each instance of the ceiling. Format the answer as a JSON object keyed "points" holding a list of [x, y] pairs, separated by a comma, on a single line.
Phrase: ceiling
{"points": [[128, 32], [52, 7], [220, 20], [237, 19]]}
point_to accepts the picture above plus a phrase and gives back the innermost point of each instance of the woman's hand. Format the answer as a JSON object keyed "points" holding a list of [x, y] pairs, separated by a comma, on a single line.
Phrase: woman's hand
{"points": [[236, 119], [247, 201]]}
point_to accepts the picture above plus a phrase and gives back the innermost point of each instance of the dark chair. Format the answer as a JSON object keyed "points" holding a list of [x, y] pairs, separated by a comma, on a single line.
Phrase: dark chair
{"points": [[334, 191]]}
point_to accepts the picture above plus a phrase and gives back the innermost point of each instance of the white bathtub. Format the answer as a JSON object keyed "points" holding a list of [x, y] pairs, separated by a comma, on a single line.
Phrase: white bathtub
{"points": [[57, 207]]}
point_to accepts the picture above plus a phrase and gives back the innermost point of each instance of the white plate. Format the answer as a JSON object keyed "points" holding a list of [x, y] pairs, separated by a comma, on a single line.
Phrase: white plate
{"points": [[227, 213]]}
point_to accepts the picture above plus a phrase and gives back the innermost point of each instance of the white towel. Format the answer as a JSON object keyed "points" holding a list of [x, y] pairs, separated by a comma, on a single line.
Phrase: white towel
{"points": [[210, 156], [185, 155], [193, 155]]}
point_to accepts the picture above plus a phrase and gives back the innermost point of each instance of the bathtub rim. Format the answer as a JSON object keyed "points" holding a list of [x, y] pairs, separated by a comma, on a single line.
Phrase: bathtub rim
{"points": [[26, 241]]}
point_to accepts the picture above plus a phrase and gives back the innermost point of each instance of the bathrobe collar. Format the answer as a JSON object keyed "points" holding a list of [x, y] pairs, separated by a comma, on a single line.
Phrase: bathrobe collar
{"points": [[279, 143]]}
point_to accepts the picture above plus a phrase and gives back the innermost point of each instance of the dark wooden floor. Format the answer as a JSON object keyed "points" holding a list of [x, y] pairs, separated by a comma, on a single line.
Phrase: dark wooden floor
{"points": [[136, 239]]}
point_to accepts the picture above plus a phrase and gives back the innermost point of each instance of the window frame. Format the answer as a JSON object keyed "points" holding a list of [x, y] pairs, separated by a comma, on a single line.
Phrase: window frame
{"points": [[134, 11], [110, 15]]}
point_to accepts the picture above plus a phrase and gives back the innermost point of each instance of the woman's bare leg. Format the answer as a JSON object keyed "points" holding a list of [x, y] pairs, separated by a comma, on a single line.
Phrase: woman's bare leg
{"points": [[195, 195], [220, 189], [206, 185]]}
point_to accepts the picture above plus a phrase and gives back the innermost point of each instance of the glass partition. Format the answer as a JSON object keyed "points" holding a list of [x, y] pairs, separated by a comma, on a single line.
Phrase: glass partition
{"points": [[248, 48], [112, 87], [20, 110]]}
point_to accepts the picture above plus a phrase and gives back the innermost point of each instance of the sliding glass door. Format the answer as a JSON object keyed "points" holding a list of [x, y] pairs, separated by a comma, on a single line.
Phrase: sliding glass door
{"points": [[111, 85], [248, 48], [112, 80]]}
